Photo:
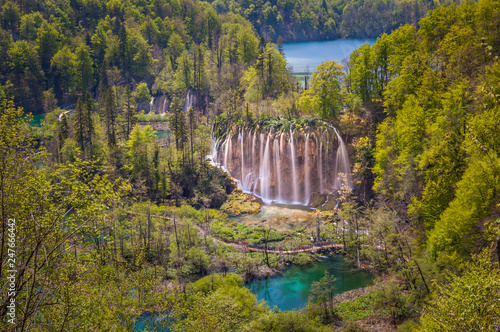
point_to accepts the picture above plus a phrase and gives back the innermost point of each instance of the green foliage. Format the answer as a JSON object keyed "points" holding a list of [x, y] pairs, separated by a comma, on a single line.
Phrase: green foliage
{"points": [[239, 203], [324, 96], [216, 302], [288, 321], [428, 159], [468, 302], [302, 258], [391, 300], [269, 77], [324, 20], [142, 92], [360, 308], [322, 292]]}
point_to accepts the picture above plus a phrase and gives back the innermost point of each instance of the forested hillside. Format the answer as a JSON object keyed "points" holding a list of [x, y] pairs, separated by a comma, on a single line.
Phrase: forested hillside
{"points": [[52, 52], [436, 159], [436, 154], [326, 19]]}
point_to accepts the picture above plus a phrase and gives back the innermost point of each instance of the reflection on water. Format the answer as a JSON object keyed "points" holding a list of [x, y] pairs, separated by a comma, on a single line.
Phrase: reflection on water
{"points": [[290, 290]]}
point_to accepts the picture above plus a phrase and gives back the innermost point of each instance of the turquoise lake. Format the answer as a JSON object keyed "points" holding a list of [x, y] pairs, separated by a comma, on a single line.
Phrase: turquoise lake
{"points": [[306, 56], [290, 290]]}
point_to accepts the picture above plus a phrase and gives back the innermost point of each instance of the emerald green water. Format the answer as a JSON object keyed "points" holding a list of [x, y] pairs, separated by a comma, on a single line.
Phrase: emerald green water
{"points": [[290, 290], [37, 120]]}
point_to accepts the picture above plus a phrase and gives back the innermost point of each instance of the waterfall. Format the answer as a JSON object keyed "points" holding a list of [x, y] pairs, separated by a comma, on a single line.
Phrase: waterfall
{"points": [[294, 171], [280, 184], [342, 165], [261, 159], [320, 163], [307, 180], [265, 173], [242, 153], [151, 104], [253, 155], [286, 166], [227, 144], [277, 166], [189, 101], [164, 103]]}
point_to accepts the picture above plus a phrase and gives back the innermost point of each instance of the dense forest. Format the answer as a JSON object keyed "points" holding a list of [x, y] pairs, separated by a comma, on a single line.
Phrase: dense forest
{"points": [[111, 211], [326, 19]]}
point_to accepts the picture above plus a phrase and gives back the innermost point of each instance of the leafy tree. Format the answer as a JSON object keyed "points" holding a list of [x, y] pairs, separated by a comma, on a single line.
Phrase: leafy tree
{"points": [[142, 92], [175, 47], [361, 74], [47, 43], [48, 216], [322, 293], [30, 23], [83, 68], [10, 16], [63, 66], [140, 152], [469, 302], [324, 97]]}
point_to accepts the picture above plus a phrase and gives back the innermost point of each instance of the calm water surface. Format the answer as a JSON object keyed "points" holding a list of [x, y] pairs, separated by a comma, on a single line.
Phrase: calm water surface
{"points": [[306, 56], [290, 290]]}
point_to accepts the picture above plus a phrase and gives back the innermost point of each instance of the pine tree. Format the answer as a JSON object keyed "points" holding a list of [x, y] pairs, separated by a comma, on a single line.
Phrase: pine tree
{"points": [[129, 110], [63, 133], [280, 46], [89, 122], [79, 126], [192, 127], [173, 121], [108, 106], [181, 132], [260, 57]]}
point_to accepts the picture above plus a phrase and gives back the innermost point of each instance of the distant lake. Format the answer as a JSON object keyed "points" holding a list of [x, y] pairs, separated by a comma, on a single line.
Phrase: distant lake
{"points": [[306, 56]]}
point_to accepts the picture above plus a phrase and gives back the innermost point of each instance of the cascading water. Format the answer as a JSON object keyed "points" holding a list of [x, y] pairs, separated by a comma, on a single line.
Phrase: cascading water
{"points": [[164, 104], [307, 175], [342, 167], [294, 171], [189, 101], [287, 166], [277, 166]]}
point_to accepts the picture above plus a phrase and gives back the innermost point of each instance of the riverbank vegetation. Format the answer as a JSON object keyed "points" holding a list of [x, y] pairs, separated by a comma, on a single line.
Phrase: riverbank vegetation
{"points": [[118, 213]]}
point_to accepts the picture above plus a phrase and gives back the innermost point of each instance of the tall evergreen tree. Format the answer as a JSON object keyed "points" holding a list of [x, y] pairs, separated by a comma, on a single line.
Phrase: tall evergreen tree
{"points": [[79, 126], [63, 132], [89, 122], [129, 110], [175, 108], [108, 106], [192, 127]]}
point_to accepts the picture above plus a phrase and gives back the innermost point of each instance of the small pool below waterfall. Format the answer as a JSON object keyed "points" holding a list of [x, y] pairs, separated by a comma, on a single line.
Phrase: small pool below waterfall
{"points": [[290, 290]]}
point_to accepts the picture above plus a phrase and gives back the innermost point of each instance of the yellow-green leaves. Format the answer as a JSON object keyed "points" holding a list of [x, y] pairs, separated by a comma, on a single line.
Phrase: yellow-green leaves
{"points": [[470, 302], [324, 97]]}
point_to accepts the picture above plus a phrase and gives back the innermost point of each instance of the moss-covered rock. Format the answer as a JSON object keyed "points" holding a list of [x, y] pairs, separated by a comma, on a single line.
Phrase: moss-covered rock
{"points": [[240, 203]]}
